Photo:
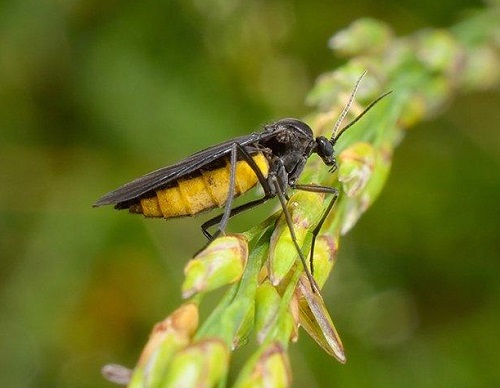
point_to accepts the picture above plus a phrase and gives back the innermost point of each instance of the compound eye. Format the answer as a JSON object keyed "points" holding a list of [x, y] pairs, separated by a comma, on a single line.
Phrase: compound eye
{"points": [[325, 148]]}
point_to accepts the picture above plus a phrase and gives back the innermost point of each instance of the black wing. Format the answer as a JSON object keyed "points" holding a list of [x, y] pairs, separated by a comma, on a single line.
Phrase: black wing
{"points": [[158, 179]]}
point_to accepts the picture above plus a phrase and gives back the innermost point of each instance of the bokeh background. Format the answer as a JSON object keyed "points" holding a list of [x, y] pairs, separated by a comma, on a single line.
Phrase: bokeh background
{"points": [[94, 93]]}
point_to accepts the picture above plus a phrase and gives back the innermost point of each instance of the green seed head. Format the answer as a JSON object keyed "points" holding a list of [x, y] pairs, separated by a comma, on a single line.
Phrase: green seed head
{"points": [[221, 263]]}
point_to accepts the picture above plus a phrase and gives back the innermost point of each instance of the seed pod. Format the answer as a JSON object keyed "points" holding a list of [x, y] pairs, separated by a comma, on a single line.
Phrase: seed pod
{"points": [[221, 263]]}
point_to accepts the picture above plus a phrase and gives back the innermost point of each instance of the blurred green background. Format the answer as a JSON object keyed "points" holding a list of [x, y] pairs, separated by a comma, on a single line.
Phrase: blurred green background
{"points": [[94, 93]]}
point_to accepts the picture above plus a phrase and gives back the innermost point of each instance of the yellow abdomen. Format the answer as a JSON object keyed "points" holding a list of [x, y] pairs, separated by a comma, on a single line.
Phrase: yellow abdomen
{"points": [[193, 195]]}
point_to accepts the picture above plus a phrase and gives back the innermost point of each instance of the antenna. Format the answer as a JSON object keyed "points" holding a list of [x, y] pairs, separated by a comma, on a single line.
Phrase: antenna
{"points": [[336, 132], [335, 136]]}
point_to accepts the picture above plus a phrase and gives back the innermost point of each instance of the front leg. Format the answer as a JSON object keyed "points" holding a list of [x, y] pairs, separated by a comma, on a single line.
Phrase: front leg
{"points": [[315, 232]]}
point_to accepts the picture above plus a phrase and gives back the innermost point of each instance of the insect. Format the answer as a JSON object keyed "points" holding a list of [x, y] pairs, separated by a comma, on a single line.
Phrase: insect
{"points": [[213, 177]]}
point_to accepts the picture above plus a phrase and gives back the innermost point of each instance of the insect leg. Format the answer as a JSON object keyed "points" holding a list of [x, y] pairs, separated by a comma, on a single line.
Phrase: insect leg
{"points": [[281, 196], [230, 194], [237, 210], [262, 179], [319, 189], [223, 219]]}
